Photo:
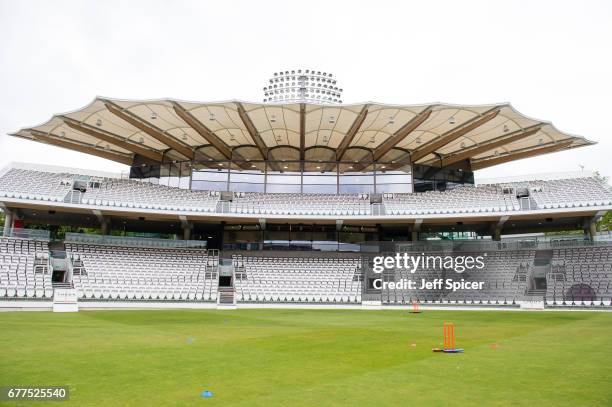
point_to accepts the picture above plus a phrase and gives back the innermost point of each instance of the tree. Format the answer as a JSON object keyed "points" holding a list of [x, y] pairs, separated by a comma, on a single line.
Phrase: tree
{"points": [[605, 223]]}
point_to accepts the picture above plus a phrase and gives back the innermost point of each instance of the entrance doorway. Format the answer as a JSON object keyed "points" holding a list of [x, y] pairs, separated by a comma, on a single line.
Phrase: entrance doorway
{"points": [[225, 281]]}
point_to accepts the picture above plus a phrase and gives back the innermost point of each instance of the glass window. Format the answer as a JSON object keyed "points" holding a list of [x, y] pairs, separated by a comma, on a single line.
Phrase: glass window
{"points": [[320, 189], [422, 185], [289, 178], [210, 175], [320, 179], [253, 177], [399, 188], [246, 187], [325, 245], [356, 179], [393, 179], [276, 235], [147, 171], [164, 171], [356, 189], [209, 185], [283, 188], [173, 182], [351, 237], [184, 182], [349, 247]]}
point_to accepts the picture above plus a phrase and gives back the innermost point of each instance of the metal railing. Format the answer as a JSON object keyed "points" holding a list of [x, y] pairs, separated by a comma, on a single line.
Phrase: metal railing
{"points": [[294, 246], [74, 197], [133, 241], [376, 247], [33, 234]]}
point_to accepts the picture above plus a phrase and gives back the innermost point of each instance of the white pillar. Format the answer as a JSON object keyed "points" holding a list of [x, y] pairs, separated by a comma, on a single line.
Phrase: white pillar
{"points": [[8, 222]]}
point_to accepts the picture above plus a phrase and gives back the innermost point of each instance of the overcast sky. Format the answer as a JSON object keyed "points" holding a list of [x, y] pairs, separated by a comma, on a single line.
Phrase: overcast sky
{"points": [[551, 59]]}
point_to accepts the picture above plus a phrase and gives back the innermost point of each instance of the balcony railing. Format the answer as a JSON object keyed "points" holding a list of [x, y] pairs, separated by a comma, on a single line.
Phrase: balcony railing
{"points": [[133, 241]]}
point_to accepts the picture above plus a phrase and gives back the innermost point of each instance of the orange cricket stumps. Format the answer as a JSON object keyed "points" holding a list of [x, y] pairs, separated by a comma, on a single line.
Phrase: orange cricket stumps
{"points": [[449, 340], [415, 307]]}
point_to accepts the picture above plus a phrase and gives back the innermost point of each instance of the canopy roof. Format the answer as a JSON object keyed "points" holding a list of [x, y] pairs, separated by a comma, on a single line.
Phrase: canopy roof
{"points": [[435, 134]]}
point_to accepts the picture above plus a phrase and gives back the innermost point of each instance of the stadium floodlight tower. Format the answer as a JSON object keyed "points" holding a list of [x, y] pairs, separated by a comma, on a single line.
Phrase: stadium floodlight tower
{"points": [[303, 86]]}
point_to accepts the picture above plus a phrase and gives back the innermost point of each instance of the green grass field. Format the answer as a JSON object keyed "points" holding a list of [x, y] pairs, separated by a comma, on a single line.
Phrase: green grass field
{"points": [[311, 357]]}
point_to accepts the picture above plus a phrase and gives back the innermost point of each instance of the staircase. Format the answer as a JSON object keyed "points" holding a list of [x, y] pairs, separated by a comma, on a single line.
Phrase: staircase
{"points": [[60, 285], [520, 275], [78, 267], [539, 271], [41, 263], [73, 197], [226, 278], [543, 257], [226, 297], [533, 292]]}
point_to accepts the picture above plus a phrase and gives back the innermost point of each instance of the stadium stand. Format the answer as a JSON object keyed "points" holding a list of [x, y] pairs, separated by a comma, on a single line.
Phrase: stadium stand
{"points": [[108, 192], [36, 185], [111, 269], [570, 193], [128, 273], [489, 198], [24, 269], [44, 186], [504, 276], [134, 194], [580, 274], [286, 279]]}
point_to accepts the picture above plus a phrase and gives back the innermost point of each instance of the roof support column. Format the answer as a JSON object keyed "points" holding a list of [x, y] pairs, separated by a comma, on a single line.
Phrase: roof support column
{"points": [[104, 222], [497, 228], [590, 225], [187, 231], [414, 232], [186, 226], [339, 223], [8, 220]]}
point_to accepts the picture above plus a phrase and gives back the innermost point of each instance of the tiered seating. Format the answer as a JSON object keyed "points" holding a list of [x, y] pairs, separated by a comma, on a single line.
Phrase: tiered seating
{"points": [[401, 296], [570, 193], [301, 204], [580, 273], [127, 273], [504, 277], [42, 186], [114, 192], [135, 194], [24, 269], [488, 198], [292, 279]]}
